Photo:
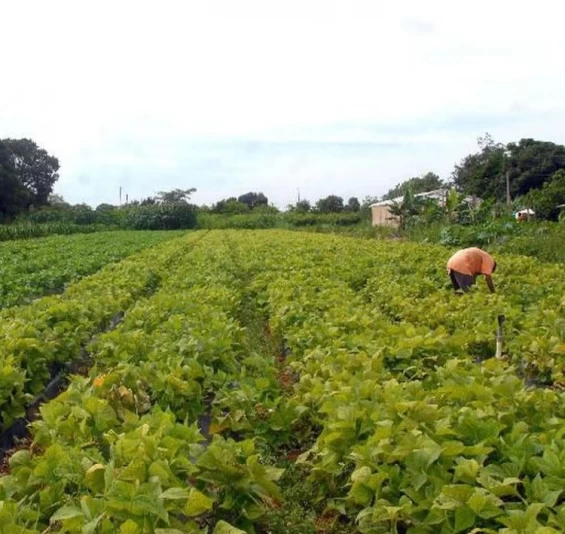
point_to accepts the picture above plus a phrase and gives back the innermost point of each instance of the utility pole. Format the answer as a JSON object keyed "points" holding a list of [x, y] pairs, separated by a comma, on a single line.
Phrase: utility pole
{"points": [[298, 195], [507, 177], [508, 197]]}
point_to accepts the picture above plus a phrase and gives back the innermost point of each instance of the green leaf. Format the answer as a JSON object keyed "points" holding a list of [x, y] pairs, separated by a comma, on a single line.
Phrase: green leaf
{"points": [[94, 478], [66, 512], [175, 494], [453, 496], [467, 470], [538, 491], [464, 518], [130, 527], [198, 503], [225, 528]]}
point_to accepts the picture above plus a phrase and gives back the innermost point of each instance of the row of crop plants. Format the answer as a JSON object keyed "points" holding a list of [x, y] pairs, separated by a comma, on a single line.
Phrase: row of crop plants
{"points": [[31, 269], [411, 432], [121, 451], [403, 422], [36, 340]]}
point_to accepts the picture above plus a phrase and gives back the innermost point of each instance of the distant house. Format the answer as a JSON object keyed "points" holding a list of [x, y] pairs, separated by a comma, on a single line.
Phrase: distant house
{"points": [[381, 215]]}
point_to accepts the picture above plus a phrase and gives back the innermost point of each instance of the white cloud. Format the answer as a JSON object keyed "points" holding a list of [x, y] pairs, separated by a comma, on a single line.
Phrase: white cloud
{"points": [[165, 94]]}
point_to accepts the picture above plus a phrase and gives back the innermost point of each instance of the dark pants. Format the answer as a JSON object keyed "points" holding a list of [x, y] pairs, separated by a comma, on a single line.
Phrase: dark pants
{"points": [[461, 281]]}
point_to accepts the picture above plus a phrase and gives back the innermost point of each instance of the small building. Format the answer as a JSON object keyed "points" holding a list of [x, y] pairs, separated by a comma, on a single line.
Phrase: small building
{"points": [[381, 215]]}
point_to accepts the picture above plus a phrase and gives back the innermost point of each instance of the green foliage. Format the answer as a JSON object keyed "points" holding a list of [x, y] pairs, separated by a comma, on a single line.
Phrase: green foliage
{"points": [[302, 206], [253, 200], [353, 204], [175, 196], [51, 331], [482, 173], [45, 266], [533, 163], [544, 201], [164, 216], [327, 219], [330, 204], [14, 195], [230, 206], [385, 399], [407, 209], [28, 230], [262, 218], [35, 169], [542, 241], [529, 165]]}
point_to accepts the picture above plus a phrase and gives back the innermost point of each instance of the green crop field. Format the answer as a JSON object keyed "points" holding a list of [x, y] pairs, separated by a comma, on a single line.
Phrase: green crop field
{"points": [[33, 268], [283, 382]]}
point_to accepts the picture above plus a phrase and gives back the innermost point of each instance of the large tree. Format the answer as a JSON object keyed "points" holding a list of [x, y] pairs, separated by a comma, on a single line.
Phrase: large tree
{"points": [[253, 200], [35, 168], [14, 197], [528, 164], [531, 164], [330, 204], [302, 206], [175, 196], [418, 184], [545, 200], [482, 173], [230, 206], [353, 204]]}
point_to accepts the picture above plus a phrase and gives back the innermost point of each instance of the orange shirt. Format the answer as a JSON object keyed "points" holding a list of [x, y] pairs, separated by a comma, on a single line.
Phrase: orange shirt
{"points": [[471, 261]]}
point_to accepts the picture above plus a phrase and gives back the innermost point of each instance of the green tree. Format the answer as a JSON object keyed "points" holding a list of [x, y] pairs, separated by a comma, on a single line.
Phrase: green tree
{"points": [[482, 173], [230, 206], [528, 164], [35, 168], [175, 196], [419, 184], [302, 206], [533, 163], [366, 204], [14, 197], [353, 204], [408, 208], [544, 201], [330, 204], [57, 201], [253, 200]]}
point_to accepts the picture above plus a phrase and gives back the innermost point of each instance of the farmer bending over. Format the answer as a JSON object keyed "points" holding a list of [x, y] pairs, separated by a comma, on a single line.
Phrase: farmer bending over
{"points": [[465, 265]]}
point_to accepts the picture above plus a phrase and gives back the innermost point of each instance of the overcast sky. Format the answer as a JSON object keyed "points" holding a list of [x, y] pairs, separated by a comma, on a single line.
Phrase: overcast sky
{"points": [[346, 96]]}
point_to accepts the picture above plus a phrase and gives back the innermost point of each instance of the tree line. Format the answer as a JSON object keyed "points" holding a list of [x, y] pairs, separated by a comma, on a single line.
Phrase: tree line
{"points": [[532, 172]]}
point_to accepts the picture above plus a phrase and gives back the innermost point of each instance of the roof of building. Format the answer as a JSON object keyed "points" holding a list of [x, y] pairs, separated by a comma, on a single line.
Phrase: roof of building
{"points": [[436, 194]]}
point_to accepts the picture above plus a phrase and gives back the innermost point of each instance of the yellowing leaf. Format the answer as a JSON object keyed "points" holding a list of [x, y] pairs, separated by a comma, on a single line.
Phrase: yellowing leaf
{"points": [[197, 503], [225, 528]]}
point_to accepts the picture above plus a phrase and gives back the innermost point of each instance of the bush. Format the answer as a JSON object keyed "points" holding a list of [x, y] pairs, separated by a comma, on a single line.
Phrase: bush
{"points": [[28, 230], [80, 214], [247, 221], [169, 216], [545, 200]]}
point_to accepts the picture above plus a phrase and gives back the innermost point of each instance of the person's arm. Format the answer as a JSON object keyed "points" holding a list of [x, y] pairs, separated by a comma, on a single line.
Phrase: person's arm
{"points": [[490, 284]]}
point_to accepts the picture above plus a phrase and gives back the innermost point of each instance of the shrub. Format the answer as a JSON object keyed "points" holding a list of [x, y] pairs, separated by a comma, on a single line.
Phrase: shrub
{"points": [[166, 216]]}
